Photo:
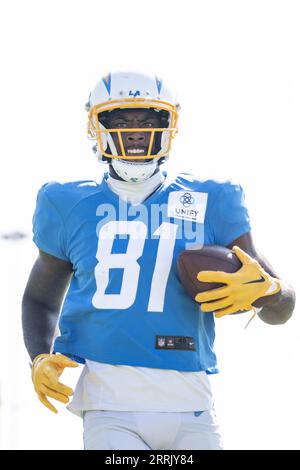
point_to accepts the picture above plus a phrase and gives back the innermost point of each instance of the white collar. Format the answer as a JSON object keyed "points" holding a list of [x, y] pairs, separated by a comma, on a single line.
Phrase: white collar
{"points": [[135, 193]]}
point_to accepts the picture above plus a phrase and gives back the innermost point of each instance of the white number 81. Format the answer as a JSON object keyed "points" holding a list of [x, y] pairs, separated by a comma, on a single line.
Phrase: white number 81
{"points": [[137, 233]]}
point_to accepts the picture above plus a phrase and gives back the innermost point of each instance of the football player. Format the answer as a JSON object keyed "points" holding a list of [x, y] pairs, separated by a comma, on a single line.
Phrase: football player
{"points": [[107, 256]]}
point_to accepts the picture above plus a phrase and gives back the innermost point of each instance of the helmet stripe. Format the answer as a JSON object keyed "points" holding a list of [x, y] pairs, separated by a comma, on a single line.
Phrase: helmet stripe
{"points": [[158, 84], [107, 82]]}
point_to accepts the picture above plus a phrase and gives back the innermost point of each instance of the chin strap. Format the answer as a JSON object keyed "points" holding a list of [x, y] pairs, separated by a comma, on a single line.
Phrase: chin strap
{"points": [[134, 172]]}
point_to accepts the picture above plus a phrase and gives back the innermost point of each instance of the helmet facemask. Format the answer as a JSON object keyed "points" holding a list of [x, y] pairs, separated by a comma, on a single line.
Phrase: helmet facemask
{"points": [[115, 138], [106, 136], [134, 152]]}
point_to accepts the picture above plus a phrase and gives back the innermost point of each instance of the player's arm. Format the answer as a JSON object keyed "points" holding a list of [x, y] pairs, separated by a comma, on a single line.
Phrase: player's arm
{"points": [[277, 308], [42, 299]]}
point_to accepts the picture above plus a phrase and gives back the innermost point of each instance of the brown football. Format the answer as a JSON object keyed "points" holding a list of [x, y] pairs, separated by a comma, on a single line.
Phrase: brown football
{"points": [[208, 258]]}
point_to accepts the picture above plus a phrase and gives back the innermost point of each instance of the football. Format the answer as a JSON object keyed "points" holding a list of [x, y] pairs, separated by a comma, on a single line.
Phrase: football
{"points": [[208, 258]]}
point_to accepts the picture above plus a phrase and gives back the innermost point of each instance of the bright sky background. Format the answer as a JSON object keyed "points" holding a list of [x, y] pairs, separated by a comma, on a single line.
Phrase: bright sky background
{"points": [[235, 64]]}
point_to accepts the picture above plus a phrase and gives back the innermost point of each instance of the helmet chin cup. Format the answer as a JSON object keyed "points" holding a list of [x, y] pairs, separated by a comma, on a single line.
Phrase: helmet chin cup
{"points": [[134, 172]]}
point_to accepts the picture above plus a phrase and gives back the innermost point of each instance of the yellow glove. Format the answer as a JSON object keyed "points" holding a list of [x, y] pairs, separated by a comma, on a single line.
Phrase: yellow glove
{"points": [[243, 288], [46, 370]]}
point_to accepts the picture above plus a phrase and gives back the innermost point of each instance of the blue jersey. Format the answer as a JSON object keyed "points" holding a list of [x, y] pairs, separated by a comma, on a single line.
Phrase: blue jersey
{"points": [[125, 304]]}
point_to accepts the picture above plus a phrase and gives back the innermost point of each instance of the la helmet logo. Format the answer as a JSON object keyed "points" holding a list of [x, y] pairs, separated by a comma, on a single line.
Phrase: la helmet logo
{"points": [[135, 93], [187, 200]]}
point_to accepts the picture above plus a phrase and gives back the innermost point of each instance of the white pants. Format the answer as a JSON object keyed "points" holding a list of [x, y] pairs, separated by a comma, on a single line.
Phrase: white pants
{"points": [[120, 430]]}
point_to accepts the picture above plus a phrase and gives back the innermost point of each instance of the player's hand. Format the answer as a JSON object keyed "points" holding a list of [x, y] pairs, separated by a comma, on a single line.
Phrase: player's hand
{"points": [[46, 370], [242, 288]]}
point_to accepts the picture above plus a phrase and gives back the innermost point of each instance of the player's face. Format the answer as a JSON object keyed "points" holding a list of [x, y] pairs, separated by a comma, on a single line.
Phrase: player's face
{"points": [[135, 143]]}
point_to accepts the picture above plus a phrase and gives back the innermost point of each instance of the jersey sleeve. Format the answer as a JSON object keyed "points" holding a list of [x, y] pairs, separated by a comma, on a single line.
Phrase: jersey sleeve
{"points": [[230, 215], [48, 226]]}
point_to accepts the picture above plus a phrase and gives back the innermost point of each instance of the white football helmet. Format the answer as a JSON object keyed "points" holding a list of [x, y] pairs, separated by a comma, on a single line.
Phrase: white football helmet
{"points": [[128, 90]]}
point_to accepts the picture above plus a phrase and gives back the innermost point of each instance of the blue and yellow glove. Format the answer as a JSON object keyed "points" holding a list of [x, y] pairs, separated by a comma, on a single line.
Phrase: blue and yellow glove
{"points": [[242, 289], [46, 370]]}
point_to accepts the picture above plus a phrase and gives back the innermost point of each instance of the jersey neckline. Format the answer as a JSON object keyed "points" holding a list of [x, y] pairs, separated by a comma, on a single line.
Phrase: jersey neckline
{"points": [[149, 200]]}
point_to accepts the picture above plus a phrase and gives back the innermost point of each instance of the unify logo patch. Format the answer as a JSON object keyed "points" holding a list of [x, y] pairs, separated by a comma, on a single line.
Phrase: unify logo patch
{"points": [[187, 205]]}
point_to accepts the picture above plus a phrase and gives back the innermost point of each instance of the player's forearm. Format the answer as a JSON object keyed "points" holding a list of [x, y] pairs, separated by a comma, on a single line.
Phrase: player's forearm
{"points": [[39, 325], [278, 308]]}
